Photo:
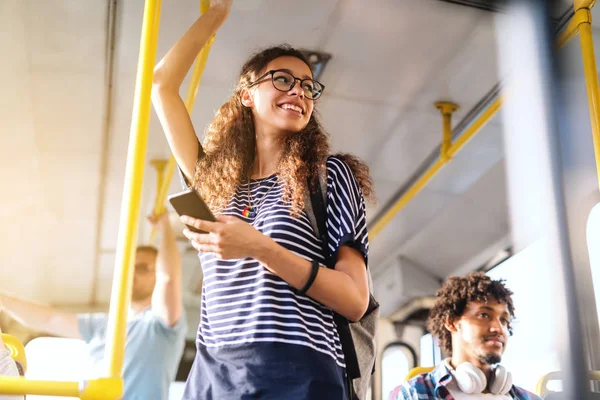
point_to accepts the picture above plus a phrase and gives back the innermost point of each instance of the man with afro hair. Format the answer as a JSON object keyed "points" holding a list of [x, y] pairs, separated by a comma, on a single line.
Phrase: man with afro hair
{"points": [[471, 321]]}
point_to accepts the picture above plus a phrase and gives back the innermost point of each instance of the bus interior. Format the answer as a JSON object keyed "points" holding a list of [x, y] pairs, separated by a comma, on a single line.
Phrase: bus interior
{"points": [[468, 174]]}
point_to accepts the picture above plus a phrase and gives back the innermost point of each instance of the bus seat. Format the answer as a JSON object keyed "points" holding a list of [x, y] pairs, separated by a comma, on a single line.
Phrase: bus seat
{"points": [[418, 371], [546, 394], [17, 351]]}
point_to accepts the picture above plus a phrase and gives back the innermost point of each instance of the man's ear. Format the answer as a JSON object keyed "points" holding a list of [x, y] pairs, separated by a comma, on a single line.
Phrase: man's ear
{"points": [[247, 99], [451, 326]]}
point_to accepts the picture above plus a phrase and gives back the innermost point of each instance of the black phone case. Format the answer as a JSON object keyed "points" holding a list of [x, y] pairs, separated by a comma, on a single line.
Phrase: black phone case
{"points": [[190, 203]]}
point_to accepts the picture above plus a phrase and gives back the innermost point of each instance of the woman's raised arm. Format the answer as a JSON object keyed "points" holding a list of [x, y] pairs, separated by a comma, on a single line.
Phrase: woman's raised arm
{"points": [[168, 76]]}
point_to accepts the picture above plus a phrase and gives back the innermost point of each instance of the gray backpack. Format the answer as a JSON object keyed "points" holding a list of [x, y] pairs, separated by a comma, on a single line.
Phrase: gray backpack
{"points": [[357, 338]]}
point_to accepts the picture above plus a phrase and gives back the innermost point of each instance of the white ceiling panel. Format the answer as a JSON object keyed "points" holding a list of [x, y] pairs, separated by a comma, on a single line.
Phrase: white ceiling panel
{"points": [[65, 35], [354, 126], [460, 80], [425, 206], [413, 140], [383, 190], [375, 59], [467, 225]]}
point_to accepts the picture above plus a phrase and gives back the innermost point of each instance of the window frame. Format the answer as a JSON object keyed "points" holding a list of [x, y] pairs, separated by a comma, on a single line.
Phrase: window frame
{"points": [[400, 344]]}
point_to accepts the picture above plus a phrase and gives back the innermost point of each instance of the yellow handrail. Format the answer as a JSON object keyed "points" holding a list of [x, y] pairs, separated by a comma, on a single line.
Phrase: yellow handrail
{"points": [[417, 371], [130, 206], [10, 385], [578, 21], [190, 99], [540, 387], [583, 16], [447, 109], [440, 162], [97, 389], [16, 348], [570, 30]]}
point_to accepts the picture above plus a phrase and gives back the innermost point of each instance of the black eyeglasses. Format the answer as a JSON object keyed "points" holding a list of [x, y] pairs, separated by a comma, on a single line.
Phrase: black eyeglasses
{"points": [[284, 82]]}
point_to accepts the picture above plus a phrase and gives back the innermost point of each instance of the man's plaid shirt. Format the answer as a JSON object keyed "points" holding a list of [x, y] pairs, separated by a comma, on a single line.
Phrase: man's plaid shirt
{"points": [[433, 386]]}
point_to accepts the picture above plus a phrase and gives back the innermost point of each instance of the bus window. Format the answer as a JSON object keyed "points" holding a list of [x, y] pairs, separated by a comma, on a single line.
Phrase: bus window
{"points": [[60, 359], [176, 390], [430, 354], [396, 361], [532, 350], [57, 359], [593, 238]]}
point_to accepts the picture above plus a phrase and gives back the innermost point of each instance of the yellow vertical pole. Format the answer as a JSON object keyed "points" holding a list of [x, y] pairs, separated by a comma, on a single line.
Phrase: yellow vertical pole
{"points": [[159, 166], [199, 65], [130, 205], [582, 11], [446, 109]]}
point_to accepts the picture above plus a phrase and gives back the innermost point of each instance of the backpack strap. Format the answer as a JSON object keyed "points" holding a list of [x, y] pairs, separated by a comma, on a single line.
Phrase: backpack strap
{"points": [[318, 203], [309, 207]]}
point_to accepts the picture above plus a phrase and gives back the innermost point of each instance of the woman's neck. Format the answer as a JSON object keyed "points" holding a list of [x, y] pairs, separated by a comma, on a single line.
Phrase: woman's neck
{"points": [[266, 158]]}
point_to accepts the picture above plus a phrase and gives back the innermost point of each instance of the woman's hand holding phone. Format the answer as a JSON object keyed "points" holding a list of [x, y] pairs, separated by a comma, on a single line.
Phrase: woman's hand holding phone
{"points": [[229, 237]]}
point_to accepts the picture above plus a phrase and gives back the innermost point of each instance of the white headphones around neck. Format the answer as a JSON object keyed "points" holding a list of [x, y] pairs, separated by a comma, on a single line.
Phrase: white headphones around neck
{"points": [[471, 379]]}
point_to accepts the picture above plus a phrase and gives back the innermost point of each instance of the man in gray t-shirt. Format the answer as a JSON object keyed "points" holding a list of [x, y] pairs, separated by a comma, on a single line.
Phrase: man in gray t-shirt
{"points": [[156, 325]]}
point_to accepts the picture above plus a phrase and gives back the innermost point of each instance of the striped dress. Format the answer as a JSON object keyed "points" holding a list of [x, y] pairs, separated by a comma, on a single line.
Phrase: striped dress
{"points": [[257, 338]]}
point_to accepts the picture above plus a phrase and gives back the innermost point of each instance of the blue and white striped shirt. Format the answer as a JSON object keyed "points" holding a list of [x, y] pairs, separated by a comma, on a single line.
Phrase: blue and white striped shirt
{"points": [[243, 304]]}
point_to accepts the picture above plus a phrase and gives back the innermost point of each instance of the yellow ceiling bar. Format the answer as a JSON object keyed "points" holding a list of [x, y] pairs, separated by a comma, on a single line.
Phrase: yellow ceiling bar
{"points": [[476, 126], [571, 30], [582, 18], [189, 104], [446, 156], [446, 109]]}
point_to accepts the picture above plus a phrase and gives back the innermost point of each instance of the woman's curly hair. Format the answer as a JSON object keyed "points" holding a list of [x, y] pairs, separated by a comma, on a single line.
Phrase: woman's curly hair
{"points": [[229, 146], [454, 296]]}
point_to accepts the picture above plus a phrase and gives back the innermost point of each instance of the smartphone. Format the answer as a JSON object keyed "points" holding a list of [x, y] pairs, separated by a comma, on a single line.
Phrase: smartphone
{"points": [[190, 203]]}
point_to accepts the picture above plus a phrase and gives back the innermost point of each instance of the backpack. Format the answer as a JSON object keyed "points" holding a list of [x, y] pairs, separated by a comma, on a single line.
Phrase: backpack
{"points": [[357, 338]]}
